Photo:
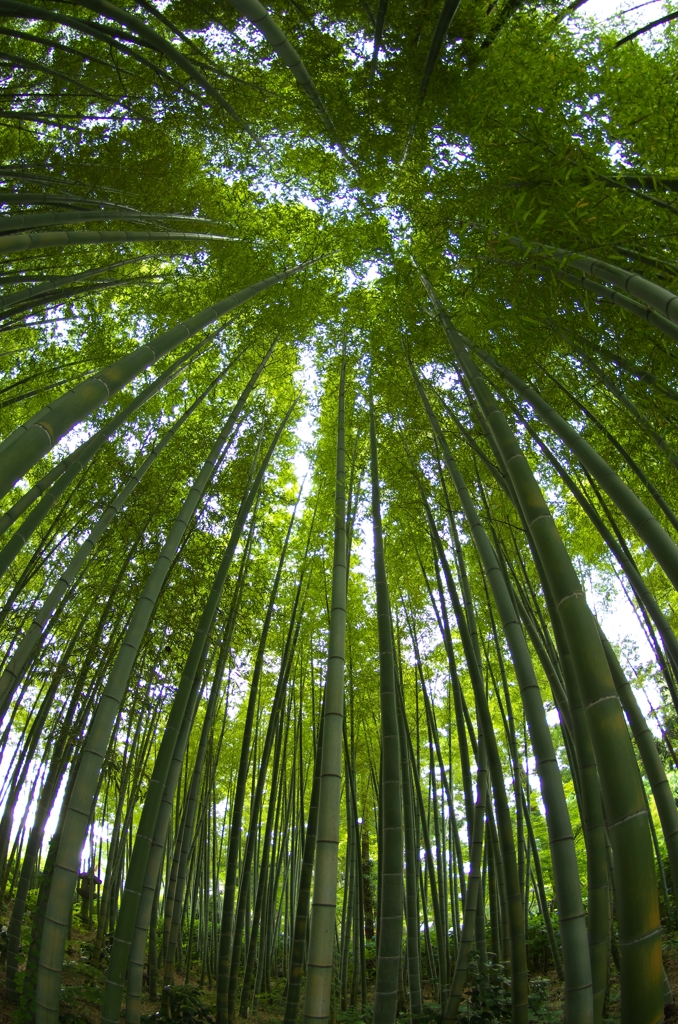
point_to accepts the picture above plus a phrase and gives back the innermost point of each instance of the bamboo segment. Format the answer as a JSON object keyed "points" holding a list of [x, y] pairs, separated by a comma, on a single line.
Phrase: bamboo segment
{"points": [[26, 500], [661, 299], [28, 222], [652, 763], [257, 14], [162, 45], [322, 927], [621, 553], [457, 986], [57, 481], [24, 241]]}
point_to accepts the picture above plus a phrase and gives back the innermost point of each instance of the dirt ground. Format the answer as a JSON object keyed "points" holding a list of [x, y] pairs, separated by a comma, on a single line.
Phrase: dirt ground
{"points": [[83, 986]]}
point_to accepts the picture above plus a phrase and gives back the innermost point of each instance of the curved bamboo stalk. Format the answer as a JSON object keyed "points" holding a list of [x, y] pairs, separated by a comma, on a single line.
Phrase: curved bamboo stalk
{"points": [[631, 406], [162, 45], [16, 60], [26, 500], [25, 296], [258, 16], [623, 301], [623, 451], [14, 671], [629, 504], [30, 222], [24, 241], [620, 551], [155, 41], [28, 443], [583, 765], [59, 297], [661, 299], [55, 44], [27, 750], [102, 33]]}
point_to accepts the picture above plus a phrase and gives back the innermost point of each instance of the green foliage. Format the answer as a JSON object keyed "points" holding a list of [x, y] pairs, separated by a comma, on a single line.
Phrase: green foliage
{"points": [[186, 1004]]}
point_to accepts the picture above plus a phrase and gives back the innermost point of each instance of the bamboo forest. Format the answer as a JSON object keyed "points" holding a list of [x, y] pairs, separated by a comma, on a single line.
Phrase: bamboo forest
{"points": [[339, 522]]}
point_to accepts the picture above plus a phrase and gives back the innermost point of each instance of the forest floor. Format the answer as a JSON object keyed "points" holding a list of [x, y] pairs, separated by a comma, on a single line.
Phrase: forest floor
{"points": [[83, 985]]}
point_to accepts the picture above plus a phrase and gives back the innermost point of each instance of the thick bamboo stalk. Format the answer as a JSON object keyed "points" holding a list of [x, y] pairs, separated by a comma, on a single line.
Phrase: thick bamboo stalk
{"points": [[60, 239], [322, 928], [626, 813], [26, 500], [231, 925], [661, 299], [652, 762], [258, 16]]}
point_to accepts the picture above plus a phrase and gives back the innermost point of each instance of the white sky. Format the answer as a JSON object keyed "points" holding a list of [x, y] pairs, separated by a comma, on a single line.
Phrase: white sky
{"points": [[640, 13]]}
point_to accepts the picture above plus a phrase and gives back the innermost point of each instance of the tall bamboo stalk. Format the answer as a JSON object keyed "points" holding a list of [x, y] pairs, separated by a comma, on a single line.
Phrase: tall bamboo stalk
{"points": [[320, 961], [390, 923]]}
